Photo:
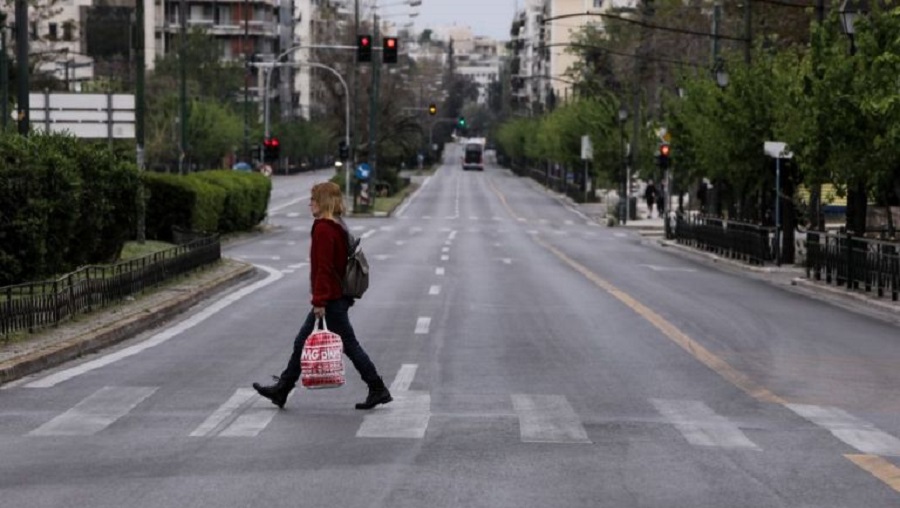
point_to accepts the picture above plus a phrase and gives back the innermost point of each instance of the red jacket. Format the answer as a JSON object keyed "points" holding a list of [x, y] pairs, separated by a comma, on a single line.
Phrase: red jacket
{"points": [[328, 261]]}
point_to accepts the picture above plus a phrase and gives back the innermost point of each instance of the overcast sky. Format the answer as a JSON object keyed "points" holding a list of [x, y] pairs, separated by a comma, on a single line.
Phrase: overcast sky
{"points": [[492, 18]]}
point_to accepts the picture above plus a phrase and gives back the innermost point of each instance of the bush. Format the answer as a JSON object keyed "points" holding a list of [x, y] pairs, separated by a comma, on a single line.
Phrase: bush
{"points": [[63, 203], [246, 197], [183, 202]]}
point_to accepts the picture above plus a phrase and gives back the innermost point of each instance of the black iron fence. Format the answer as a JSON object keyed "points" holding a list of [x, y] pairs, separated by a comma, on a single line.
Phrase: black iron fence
{"points": [[38, 304], [854, 262], [747, 242]]}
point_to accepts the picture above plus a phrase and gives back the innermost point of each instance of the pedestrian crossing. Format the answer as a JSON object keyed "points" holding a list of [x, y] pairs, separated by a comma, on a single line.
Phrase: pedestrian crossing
{"points": [[539, 418]]}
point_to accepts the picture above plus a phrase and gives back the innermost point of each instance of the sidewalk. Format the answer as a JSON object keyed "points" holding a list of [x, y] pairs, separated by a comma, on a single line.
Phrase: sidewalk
{"points": [[789, 277]]}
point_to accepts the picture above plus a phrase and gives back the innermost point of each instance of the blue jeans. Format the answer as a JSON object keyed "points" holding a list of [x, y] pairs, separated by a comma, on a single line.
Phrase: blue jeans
{"points": [[338, 320]]}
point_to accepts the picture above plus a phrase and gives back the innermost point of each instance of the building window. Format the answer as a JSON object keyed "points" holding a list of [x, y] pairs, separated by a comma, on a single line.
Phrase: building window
{"points": [[53, 32], [598, 4], [68, 30], [34, 31]]}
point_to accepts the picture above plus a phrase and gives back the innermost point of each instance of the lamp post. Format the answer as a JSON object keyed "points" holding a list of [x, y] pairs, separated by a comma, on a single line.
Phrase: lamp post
{"points": [[4, 74], [850, 11], [623, 192]]}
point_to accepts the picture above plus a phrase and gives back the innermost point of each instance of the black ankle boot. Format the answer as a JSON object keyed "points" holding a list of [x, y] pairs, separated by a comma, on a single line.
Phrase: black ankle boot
{"points": [[277, 393], [378, 394]]}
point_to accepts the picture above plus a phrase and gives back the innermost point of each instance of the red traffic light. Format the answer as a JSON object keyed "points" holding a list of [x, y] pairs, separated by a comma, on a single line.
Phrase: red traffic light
{"points": [[664, 150], [364, 41], [391, 43], [272, 142]]}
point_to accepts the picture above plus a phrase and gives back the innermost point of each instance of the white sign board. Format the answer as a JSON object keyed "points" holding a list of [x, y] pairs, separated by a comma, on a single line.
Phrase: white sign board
{"points": [[777, 149], [587, 149], [84, 115]]}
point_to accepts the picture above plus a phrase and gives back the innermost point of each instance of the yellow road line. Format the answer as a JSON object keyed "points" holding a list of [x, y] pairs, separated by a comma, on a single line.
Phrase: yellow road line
{"points": [[879, 468], [671, 331], [873, 464]]}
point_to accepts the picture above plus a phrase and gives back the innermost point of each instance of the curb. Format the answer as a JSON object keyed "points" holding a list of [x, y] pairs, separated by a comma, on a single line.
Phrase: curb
{"points": [[116, 331]]}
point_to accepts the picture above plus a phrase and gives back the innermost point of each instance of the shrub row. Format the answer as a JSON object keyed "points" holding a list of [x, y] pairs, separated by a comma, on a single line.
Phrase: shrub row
{"points": [[211, 201], [64, 203]]}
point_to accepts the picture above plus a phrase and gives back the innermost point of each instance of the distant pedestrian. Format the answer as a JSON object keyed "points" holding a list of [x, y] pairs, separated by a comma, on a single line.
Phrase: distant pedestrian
{"points": [[702, 195], [328, 261], [650, 197]]}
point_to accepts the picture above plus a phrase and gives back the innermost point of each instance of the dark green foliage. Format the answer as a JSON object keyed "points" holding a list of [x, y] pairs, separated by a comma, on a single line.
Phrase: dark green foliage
{"points": [[63, 203], [246, 197], [211, 201]]}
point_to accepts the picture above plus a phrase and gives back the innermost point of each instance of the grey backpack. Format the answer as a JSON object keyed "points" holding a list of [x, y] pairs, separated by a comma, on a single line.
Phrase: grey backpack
{"points": [[356, 278]]}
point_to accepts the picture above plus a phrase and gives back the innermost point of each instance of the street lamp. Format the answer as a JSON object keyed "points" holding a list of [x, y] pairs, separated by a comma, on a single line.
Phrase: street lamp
{"points": [[721, 77], [623, 189], [850, 11]]}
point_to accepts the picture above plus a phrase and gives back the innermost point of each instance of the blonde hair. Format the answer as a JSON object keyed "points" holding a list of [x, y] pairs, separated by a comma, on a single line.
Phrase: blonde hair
{"points": [[329, 198]]}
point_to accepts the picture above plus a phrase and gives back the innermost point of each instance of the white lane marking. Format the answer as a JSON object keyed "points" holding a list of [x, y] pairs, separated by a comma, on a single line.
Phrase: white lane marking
{"points": [[285, 205], [473, 217], [657, 268], [404, 377], [287, 271], [522, 219], [382, 257], [452, 235], [386, 228], [561, 232], [250, 424], [445, 249], [405, 418], [620, 235], [533, 232], [548, 419], [507, 261], [445, 258], [368, 233], [414, 230], [248, 257], [422, 325], [297, 265], [400, 242], [96, 412], [700, 425], [293, 215], [240, 397], [569, 222], [426, 217], [857, 433], [497, 218], [159, 338], [434, 290], [404, 206], [357, 228], [439, 270]]}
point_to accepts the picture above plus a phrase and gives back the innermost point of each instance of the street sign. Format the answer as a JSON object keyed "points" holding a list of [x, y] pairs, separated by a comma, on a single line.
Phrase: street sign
{"points": [[363, 171], [84, 115], [777, 149], [587, 149]]}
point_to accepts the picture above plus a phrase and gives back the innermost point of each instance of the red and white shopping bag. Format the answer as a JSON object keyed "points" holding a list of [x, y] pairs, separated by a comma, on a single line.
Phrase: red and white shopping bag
{"points": [[322, 360]]}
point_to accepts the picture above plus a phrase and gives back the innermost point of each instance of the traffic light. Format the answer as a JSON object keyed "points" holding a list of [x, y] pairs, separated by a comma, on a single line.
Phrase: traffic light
{"points": [[461, 122], [389, 50], [343, 151], [271, 149], [663, 157], [432, 109], [364, 48]]}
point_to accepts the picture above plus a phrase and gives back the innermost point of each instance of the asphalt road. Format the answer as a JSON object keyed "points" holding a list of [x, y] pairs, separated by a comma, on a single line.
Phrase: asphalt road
{"points": [[536, 359]]}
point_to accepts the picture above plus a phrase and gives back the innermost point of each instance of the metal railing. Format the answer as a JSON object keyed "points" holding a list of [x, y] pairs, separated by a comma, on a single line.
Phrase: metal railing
{"points": [[737, 240], [35, 305], [854, 262]]}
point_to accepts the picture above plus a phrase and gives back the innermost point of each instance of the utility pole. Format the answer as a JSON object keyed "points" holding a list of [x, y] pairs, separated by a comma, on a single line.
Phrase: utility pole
{"points": [[4, 73], [373, 106], [244, 45], [748, 30], [182, 71], [138, 112], [355, 130], [23, 104], [815, 191]]}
